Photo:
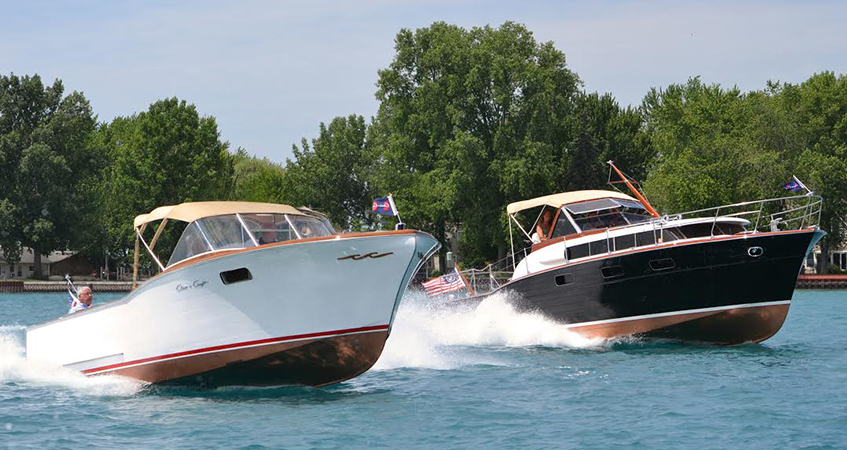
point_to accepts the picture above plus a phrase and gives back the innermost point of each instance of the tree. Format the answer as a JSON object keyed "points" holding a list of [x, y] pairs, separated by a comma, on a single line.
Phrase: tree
{"points": [[48, 166], [618, 134], [821, 111], [472, 120], [332, 173], [257, 180], [706, 152], [166, 155], [717, 146], [585, 170]]}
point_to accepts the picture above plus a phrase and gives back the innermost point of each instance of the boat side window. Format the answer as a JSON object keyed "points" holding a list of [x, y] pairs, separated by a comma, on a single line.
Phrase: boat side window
{"points": [[268, 228], [595, 220], [730, 228], [671, 234], [636, 215], [578, 251], [563, 226], [625, 242], [309, 227], [225, 232], [645, 238], [191, 243], [598, 247]]}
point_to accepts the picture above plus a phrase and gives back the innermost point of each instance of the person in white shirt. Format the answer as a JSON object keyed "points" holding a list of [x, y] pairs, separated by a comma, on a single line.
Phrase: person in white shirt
{"points": [[84, 300]]}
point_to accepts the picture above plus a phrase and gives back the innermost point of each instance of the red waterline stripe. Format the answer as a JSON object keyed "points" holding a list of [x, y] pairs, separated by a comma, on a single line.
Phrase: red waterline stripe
{"points": [[236, 345]]}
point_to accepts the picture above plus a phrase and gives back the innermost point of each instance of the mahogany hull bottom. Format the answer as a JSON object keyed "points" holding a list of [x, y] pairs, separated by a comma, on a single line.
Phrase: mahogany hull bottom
{"points": [[311, 362], [722, 292], [727, 327]]}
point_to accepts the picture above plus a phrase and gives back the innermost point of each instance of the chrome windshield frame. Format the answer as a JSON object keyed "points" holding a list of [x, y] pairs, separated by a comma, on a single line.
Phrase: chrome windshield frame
{"points": [[246, 230]]}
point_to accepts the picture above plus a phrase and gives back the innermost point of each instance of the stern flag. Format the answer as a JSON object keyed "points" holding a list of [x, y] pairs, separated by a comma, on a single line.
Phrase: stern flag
{"points": [[384, 205]]}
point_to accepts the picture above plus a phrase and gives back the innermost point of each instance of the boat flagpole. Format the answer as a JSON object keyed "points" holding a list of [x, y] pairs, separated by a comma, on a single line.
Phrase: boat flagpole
{"points": [[635, 191], [71, 291], [808, 191], [396, 211], [71, 285], [465, 280]]}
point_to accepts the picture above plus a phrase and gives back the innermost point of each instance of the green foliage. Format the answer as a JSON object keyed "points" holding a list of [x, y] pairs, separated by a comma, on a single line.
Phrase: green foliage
{"points": [[163, 156], [331, 175], [472, 120], [48, 166], [256, 180], [719, 146], [708, 153]]}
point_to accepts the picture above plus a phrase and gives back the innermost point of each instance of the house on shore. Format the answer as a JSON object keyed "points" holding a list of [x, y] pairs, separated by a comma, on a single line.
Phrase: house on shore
{"points": [[56, 263]]}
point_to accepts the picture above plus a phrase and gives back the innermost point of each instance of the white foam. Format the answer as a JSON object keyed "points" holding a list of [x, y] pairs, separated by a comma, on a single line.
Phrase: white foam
{"points": [[14, 367], [425, 335]]}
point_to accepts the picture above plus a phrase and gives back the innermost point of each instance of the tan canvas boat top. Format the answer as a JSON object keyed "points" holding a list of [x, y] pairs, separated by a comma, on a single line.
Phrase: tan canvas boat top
{"points": [[565, 198], [189, 212]]}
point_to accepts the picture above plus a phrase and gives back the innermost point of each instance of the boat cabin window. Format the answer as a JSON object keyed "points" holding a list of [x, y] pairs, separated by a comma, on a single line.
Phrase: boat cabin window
{"points": [[607, 213], [191, 243], [227, 232], [563, 226], [309, 227], [224, 232], [269, 228]]}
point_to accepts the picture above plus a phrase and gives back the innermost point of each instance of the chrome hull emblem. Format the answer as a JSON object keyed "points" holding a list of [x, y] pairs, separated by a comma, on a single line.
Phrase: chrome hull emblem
{"points": [[755, 252]]}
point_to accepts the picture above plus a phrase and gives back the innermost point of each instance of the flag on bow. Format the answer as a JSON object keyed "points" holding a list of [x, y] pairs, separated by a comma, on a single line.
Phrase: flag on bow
{"points": [[444, 284], [384, 205], [796, 185], [793, 185]]}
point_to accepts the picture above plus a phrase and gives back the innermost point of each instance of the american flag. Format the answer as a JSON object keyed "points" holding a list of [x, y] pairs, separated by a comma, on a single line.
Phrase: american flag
{"points": [[450, 282]]}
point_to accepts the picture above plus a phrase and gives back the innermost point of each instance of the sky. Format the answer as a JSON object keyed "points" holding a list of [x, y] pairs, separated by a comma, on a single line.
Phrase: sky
{"points": [[271, 71]]}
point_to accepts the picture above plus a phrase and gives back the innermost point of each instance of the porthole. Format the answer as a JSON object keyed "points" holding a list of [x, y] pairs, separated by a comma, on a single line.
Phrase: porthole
{"points": [[612, 271], [659, 265], [564, 279], [236, 276]]}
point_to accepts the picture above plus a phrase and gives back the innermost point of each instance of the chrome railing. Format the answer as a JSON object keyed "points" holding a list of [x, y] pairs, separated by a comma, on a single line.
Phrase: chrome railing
{"points": [[773, 214], [486, 280]]}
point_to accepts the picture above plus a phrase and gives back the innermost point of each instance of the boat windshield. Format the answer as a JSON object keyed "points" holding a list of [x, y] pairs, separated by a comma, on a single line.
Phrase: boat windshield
{"points": [[234, 231], [607, 213]]}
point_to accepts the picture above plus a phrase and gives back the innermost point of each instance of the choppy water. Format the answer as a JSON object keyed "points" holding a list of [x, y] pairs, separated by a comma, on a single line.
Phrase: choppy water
{"points": [[486, 378]]}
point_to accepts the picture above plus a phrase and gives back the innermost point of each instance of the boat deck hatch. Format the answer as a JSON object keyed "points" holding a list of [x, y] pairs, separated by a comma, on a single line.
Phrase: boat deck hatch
{"points": [[236, 276]]}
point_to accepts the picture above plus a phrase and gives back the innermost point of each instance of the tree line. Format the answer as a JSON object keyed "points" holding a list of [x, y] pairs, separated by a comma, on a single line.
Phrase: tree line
{"points": [[469, 120]]}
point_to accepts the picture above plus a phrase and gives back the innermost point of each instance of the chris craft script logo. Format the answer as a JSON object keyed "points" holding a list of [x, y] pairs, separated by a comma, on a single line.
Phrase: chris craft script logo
{"points": [[358, 257], [195, 284]]}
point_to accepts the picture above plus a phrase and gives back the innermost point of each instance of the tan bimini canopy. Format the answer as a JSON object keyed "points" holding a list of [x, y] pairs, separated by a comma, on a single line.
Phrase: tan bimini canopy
{"points": [[564, 198], [189, 212]]}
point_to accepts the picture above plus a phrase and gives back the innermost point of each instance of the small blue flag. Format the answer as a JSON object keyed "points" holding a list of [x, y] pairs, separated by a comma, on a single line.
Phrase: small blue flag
{"points": [[793, 185], [384, 205]]}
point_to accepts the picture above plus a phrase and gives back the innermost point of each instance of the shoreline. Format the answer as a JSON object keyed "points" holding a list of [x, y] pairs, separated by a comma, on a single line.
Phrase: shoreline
{"points": [[821, 281], [804, 281], [18, 286]]}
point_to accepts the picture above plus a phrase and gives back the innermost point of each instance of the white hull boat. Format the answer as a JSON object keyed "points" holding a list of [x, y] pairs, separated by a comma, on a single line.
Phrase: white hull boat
{"points": [[301, 311]]}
